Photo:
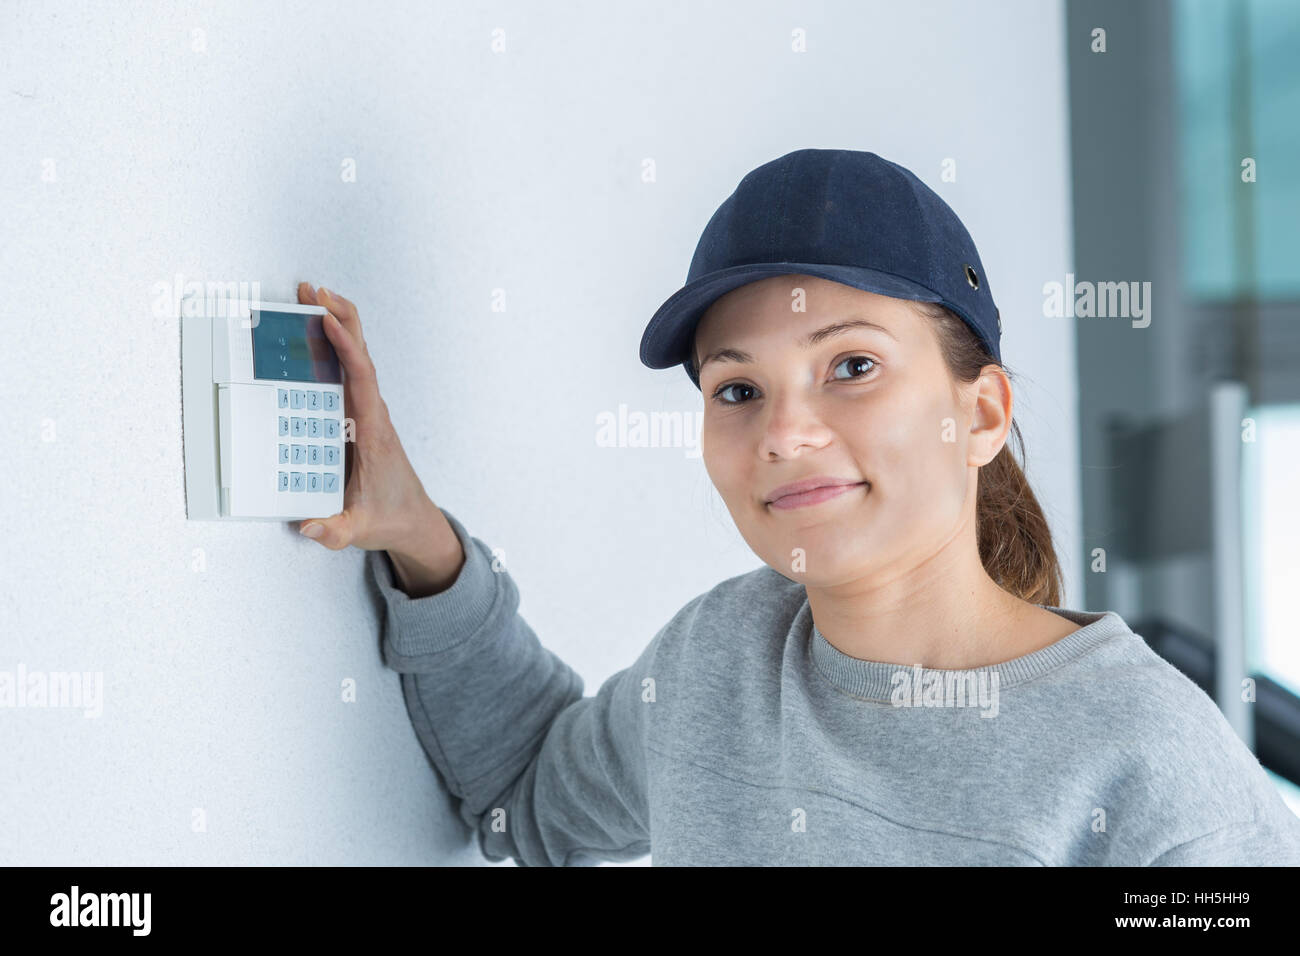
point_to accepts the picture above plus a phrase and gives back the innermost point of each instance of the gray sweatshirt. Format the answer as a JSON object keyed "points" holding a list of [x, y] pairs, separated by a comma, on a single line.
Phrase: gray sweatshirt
{"points": [[740, 736]]}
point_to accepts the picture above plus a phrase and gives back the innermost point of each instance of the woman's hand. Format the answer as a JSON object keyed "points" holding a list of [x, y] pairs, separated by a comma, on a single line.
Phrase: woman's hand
{"points": [[385, 506]]}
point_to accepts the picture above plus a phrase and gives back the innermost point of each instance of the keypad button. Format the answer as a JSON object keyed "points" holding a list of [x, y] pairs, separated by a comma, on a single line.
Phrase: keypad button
{"points": [[299, 454], [284, 426], [313, 454], [313, 428], [297, 481], [313, 401], [313, 481], [296, 398], [299, 427], [331, 401], [281, 398], [284, 454], [331, 454], [283, 480], [331, 428], [331, 481]]}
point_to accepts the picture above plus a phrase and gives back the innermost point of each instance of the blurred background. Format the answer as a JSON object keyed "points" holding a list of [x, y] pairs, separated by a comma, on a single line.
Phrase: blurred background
{"points": [[1185, 172], [508, 191]]}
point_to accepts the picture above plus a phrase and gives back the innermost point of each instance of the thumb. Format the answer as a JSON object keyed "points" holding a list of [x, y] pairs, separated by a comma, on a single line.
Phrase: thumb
{"points": [[334, 532]]}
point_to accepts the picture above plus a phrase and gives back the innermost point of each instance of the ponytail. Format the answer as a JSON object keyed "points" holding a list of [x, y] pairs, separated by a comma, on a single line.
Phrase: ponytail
{"points": [[1015, 542]]}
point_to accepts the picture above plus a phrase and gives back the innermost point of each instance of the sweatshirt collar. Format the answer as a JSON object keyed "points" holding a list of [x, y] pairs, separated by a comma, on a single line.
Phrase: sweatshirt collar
{"points": [[878, 681]]}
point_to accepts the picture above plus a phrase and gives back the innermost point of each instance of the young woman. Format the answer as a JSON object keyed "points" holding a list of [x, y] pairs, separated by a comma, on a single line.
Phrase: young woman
{"points": [[896, 684]]}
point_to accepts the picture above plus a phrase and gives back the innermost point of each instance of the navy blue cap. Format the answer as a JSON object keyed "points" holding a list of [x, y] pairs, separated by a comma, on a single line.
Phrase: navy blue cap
{"points": [[838, 214]]}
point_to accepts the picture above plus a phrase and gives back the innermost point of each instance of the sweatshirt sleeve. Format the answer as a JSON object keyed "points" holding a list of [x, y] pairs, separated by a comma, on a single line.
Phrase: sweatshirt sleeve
{"points": [[1272, 838], [540, 772]]}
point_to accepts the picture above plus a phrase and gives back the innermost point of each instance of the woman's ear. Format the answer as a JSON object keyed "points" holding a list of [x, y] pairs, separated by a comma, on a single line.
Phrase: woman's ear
{"points": [[991, 419]]}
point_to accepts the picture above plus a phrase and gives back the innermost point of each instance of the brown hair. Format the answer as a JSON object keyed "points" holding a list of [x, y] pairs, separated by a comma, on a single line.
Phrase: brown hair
{"points": [[1014, 540]]}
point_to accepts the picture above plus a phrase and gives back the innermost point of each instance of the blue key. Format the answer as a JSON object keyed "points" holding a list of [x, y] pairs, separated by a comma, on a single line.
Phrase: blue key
{"points": [[313, 454], [313, 401], [331, 401], [284, 480], [297, 481], [299, 454], [331, 428], [296, 398], [331, 454], [284, 425], [313, 481], [299, 427], [284, 454], [331, 481], [281, 398], [313, 428]]}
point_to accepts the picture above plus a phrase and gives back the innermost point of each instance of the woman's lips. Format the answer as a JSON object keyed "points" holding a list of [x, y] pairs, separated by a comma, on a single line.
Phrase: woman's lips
{"points": [[814, 497]]}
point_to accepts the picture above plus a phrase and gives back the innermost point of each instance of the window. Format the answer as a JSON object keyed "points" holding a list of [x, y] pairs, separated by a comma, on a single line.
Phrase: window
{"points": [[1272, 543], [1238, 92]]}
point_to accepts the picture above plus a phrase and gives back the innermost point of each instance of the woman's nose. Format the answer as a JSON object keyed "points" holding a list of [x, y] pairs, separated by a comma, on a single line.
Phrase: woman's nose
{"points": [[791, 423]]}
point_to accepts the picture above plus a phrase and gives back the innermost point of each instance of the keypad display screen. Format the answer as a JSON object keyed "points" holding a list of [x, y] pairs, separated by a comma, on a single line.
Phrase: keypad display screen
{"points": [[292, 347]]}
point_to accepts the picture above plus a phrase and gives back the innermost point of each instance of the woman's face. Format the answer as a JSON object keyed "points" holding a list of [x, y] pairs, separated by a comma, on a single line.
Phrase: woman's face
{"points": [[875, 407]]}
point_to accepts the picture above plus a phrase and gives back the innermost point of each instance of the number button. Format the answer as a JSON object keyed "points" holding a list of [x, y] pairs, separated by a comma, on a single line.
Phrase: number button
{"points": [[299, 427], [331, 428], [295, 398], [331, 454], [313, 428], [313, 401], [299, 454], [313, 454], [331, 401], [313, 481]]}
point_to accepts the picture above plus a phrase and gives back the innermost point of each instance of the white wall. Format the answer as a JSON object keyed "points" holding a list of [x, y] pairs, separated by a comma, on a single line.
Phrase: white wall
{"points": [[476, 171]]}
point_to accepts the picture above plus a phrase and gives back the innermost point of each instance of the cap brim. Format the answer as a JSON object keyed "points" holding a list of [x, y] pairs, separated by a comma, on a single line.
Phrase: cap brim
{"points": [[670, 333]]}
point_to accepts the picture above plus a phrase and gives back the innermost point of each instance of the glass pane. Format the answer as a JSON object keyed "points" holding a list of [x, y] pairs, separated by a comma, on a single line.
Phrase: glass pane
{"points": [[1238, 78], [1272, 530]]}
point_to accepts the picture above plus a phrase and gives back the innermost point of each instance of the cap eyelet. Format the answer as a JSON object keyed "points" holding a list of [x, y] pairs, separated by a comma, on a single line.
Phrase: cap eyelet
{"points": [[971, 277]]}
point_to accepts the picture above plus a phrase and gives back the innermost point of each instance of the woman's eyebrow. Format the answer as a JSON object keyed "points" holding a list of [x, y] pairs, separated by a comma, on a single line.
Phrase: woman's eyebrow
{"points": [[814, 338]]}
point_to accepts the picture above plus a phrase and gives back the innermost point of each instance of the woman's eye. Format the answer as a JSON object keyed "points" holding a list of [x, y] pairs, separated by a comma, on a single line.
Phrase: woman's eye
{"points": [[724, 388], [855, 361], [856, 364]]}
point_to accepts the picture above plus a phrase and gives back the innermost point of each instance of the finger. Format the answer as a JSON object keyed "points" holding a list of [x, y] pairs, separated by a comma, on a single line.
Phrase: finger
{"points": [[335, 532], [363, 387], [306, 294], [345, 310]]}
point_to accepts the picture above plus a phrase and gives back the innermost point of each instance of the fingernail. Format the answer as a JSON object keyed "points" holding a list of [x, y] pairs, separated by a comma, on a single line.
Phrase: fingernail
{"points": [[324, 291], [310, 288], [311, 530]]}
